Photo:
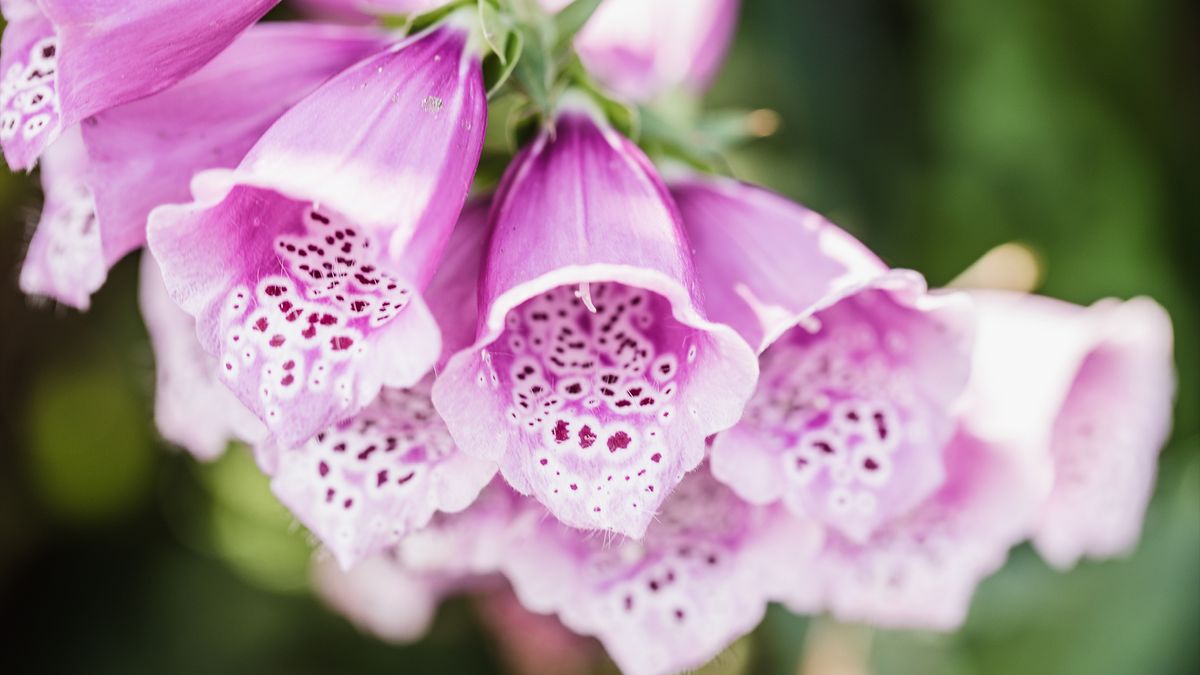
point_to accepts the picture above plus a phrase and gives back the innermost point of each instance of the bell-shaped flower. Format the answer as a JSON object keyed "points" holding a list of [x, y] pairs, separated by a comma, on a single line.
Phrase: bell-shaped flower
{"points": [[63, 61], [1086, 391], [700, 578], [640, 49], [304, 266], [595, 375], [364, 484], [643, 48], [860, 365], [102, 178], [192, 407]]}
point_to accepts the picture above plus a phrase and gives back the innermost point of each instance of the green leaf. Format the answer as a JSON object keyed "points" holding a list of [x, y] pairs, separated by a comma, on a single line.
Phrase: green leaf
{"points": [[571, 19], [532, 72]]}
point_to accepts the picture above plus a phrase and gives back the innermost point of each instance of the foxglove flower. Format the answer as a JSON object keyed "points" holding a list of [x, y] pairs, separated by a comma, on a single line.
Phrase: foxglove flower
{"points": [[363, 484], [104, 177], [192, 407], [860, 365], [671, 601], [595, 375], [66, 60], [640, 49], [304, 266], [1087, 391], [643, 48]]}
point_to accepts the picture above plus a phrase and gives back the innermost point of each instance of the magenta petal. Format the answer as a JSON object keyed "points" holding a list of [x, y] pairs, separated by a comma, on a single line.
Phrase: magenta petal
{"points": [[765, 262], [65, 260], [104, 54], [1086, 394], [644, 48], [192, 408], [598, 414], [921, 570], [698, 580], [137, 156], [452, 293], [391, 143], [145, 153], [365, 483]]}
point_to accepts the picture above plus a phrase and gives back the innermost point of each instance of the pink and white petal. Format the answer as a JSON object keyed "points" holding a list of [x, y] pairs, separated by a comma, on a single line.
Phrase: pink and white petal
{"points": [[1085, 395], [93, 55], [30, 109], [192, 408], [763, 261], [364, 484], [292, 299], [921, 571], [644, 48], [395, 594], [65, 260], [145, 153], [854, 407], [391, 143], [595, 376], [699, 580]]}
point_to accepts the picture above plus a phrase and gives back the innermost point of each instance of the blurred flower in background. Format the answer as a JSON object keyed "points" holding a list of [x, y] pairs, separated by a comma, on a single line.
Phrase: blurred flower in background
{"points": [[942, 136]]}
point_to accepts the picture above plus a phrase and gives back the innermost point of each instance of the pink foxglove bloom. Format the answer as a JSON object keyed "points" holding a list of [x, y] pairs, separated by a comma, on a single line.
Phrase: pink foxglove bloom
{"points": [[860, 365], [304, 266], [640, 49], [699, 579], [103, 177], [595, 375], [1088, 392], [192, 407], [363, 484], [66, 60], [643, 48], [852, 425]]}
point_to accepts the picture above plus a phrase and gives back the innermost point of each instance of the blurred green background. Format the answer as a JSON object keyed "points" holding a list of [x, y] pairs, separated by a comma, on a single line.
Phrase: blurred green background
{"points": [[934, 129]]}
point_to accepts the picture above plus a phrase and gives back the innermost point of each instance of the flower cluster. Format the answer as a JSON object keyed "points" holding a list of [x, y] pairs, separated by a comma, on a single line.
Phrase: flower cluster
{"points": [[652, 406]]}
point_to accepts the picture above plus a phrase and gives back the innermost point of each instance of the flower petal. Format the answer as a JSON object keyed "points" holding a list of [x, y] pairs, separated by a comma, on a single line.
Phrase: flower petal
{"points": [[65, 260], [598, 413], [921, 570], [209, 120], [765, 262], [392, 143], [291, 299], [132, 158], [191, 407], [699, 579], [386, 165], [1086, 392], [644, 48], [94, 55], [30, 109]]}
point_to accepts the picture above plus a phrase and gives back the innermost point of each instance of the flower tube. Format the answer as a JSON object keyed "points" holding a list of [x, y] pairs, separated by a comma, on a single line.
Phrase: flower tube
{"points": [[595, 375], [304, 266], [66, 60]]}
